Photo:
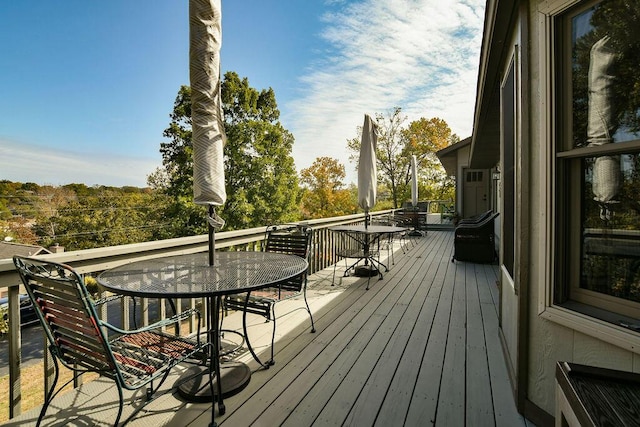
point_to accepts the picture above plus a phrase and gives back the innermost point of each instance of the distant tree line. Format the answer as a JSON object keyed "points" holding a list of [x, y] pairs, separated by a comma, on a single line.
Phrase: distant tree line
{"points": [[262, 184]]}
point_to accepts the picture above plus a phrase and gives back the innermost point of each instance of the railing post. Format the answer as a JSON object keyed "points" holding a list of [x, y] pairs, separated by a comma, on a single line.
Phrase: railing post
{"points": [[15, 352], [162, 311], [144, 308], [125, 313]]}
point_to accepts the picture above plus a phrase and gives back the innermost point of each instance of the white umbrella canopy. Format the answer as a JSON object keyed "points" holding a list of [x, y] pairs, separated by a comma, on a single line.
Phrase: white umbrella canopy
{"points": [[367, 169], [414, 181], [208, 139], [601, 124]]}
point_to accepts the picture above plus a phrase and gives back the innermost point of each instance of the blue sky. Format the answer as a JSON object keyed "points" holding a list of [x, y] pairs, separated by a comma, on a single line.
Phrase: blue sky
{"points": [[86, 88]]}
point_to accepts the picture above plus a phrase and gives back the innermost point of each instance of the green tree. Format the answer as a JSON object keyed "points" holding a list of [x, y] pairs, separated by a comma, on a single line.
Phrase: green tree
{"points": [[47, 204], [261, 179], [324, 194], [391, 165], [107, 217], [260, 174], [396, 145], [423, 138], [618, 20]]}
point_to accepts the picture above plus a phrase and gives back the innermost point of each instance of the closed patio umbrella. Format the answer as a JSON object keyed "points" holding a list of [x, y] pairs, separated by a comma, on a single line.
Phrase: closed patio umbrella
{"points": [[205, 39], [414, 196], [414, 181], [367, 169], [601, 125]]}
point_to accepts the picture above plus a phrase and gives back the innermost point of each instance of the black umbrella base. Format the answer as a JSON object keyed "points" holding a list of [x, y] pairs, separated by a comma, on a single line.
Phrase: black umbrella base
{"points": [[366, 271], [416, 233], [195, 388]]}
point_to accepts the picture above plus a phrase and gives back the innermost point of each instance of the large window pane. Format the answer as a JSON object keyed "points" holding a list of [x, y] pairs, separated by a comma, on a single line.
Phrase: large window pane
{"points": [[610, 262], [598, 161], [606, 78]]}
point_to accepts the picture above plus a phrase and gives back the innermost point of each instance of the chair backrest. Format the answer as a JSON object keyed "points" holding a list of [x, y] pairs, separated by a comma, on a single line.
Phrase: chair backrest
{"points": [[289, 239], [293, 239], [476, 219], [484, 228], [67, 314]]}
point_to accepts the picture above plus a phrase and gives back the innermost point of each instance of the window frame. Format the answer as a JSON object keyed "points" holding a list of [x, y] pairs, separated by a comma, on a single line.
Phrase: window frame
{"points": [[557, 297]]}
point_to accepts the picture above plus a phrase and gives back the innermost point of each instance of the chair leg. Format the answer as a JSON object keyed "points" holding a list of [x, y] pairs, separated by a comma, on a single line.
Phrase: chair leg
{"points": [[121, 404], [313, 326], [50, 395], [334, 273], [246, 336], [273, 334]]}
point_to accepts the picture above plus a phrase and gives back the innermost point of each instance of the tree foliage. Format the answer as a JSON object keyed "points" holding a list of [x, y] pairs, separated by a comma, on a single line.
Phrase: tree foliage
{"points": [[397, 143], [423, 138], [79, 217], [619, 21], [260, 175], [108, 217], [261, 179], [324, 195]]}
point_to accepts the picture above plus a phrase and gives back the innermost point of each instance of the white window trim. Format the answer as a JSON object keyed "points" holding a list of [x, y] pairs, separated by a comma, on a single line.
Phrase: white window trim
{"points": [[590, 326]]}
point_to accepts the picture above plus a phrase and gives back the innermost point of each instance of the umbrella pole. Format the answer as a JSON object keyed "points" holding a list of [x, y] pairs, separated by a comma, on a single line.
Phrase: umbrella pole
{"points": [[212, 237]]}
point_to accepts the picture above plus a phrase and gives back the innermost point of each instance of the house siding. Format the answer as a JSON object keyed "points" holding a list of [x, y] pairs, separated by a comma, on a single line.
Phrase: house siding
{"points": [[535, 333], [549, 337]]}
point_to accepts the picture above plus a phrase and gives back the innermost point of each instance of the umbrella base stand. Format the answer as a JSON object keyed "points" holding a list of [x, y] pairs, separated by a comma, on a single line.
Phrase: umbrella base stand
{"points": [[194, 384], [416, 233], [365, 271]]}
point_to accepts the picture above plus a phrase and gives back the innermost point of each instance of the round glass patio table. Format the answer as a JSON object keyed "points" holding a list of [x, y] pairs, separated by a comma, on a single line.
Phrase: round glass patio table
{"points": [[191, 276]]}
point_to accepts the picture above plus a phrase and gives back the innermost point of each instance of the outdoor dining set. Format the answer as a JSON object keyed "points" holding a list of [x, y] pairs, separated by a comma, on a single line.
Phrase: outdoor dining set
{"points": [[248, 281]]}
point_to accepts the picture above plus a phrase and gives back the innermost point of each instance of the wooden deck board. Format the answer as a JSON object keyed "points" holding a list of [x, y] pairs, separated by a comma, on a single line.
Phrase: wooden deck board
{"points": [[420, 318], [368, 320], [424, 400], [479, 403], [379, 389], [420, 347]]}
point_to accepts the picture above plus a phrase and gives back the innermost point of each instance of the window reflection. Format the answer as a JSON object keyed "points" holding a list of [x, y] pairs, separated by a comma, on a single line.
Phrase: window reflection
{"points": [[611, 236], [605, 80]]}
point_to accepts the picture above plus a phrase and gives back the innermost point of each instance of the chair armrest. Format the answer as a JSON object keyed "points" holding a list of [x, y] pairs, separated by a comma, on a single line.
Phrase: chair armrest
{"points": [[157, 325], [105, 300]]}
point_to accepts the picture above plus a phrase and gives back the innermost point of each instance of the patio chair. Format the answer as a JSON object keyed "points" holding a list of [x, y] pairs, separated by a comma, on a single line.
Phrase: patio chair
{"points": [[388, 240], [290, 239], [82, 342], [406, 239], [475, 241]]}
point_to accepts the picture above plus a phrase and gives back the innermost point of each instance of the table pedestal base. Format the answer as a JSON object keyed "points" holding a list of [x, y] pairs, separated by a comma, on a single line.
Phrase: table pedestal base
{"points": [[194, 383], [366, 271]]}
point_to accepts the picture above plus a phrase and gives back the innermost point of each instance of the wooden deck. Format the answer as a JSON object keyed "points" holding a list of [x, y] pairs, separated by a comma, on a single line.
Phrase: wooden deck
{"points": [[420, 347]]}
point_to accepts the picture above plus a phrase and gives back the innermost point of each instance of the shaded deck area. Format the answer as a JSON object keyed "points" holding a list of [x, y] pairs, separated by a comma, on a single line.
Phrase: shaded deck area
{"points": [[420, 347]]}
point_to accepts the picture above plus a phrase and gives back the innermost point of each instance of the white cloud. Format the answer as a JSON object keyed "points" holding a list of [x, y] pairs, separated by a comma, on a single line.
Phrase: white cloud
{"points": [[20, 162], [420, 55]]}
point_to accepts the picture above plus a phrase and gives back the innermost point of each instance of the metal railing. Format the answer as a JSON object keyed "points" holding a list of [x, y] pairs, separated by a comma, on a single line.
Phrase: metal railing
{"points": [[94, 261]]}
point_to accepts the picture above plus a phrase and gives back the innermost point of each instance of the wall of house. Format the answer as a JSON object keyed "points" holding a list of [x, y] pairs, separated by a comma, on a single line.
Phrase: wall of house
{"points": [[463, 162], [509, 281], [551, 333]]}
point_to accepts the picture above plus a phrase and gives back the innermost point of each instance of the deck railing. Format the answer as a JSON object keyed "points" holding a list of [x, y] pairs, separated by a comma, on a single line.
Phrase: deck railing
{"points": [[94, 261]]}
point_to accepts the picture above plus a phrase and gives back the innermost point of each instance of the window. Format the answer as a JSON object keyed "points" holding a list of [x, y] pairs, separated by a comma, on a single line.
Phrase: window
{"points": [[509, 181], [475, 176], [598, 162]]}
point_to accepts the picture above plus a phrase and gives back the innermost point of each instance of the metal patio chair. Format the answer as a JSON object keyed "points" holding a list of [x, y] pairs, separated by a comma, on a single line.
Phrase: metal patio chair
{"points": [[388, 241], [290, 239], [82, 342]]}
